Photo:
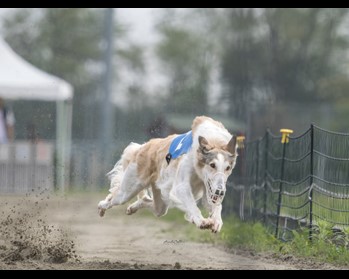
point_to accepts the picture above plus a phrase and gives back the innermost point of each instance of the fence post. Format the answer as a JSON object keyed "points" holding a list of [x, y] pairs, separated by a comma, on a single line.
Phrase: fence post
{"points": [[252, 200], [284, 140], [240, 143], [265, 177], [311, 182], [257, 166], [32, 168], [11, 168]]}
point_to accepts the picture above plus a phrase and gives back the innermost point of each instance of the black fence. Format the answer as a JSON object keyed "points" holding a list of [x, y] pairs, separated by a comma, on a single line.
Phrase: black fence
{"points": [[299, 183]]}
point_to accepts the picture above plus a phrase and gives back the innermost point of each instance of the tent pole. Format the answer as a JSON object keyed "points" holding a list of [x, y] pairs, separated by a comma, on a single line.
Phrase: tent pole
{"points": [[60, 146], [63, 147], [68, 143]]}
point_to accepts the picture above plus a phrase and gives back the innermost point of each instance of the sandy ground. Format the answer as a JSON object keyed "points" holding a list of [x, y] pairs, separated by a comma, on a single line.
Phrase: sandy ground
{"points": [[42, 232]]}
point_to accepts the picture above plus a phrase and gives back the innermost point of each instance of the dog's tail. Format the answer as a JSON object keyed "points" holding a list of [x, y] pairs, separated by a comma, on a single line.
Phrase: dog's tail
{"points": [[116, 174]]}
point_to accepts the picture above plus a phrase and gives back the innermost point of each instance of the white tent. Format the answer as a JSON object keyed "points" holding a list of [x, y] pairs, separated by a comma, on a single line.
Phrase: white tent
{"points": [[19, 80]]}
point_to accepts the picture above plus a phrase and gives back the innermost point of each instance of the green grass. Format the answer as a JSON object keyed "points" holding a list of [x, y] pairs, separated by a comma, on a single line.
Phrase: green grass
{"points": [[325, 247]]}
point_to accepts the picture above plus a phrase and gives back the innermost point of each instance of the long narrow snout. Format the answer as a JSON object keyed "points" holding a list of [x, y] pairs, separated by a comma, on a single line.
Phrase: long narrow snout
{"points": [[216, 188], [219, 184]]}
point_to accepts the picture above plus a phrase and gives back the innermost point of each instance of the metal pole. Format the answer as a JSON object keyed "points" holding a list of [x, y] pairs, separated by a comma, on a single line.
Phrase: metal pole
{"points": [[284, 141], [68, 104], [256, 181], [106, 104], [60, 146], [32, 168], [280, 190], [265, 177], [311, 182], [257, 166]]}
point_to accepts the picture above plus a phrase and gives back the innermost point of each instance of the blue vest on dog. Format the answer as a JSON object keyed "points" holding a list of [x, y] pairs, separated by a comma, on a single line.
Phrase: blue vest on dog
{"points": [[179, 145]]}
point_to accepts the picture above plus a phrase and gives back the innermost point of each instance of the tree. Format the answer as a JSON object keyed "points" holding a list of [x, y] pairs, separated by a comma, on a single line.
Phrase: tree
{"points": [[282, 56], [67, 43], [269, 58], [242, 52], [304, 47], [186, 58]]}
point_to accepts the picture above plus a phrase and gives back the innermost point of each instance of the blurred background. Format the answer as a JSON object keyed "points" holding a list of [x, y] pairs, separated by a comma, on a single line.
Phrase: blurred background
{"points": [[141, 73]]}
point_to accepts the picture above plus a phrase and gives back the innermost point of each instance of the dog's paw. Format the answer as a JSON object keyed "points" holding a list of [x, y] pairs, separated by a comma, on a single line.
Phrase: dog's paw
{"points": [[206, 224], [101, 208], [130, 210], [101, 212], [217, 226]]}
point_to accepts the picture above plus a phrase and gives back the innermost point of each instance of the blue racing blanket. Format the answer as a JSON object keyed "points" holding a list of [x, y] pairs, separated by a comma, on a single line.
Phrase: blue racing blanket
{"points": [[179, 145]]}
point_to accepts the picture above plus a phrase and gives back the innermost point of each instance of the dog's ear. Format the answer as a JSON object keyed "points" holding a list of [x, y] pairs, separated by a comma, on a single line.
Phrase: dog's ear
{"points": [[231, 146], [204, 146]]}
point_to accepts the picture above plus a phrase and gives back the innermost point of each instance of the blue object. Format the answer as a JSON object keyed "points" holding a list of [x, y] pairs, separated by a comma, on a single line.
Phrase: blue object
{"points": [[180, 145]]}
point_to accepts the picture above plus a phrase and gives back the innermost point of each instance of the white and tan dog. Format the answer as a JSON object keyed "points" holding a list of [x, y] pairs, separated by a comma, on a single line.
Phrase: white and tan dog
{"points": [[201, 172]]}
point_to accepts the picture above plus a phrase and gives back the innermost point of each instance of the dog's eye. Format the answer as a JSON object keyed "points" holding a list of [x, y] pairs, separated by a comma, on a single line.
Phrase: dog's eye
{"points": [[227, 168], [213, 165]]}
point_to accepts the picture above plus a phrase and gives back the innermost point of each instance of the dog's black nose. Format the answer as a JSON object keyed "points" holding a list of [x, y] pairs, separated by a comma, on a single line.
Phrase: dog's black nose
{"points": [[219, 193]]}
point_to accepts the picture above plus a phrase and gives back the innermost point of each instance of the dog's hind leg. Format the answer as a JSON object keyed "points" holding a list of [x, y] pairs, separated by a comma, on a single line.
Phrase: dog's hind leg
{"points": [[116, 177], [160, 205], [104, 205], [143, 201], [122, 177], [123, 190], [157, 204], [130, 186]]}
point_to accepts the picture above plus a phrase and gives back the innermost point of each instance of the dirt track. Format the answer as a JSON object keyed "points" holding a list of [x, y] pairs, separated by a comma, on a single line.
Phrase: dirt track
{"points": [[83, 240]]}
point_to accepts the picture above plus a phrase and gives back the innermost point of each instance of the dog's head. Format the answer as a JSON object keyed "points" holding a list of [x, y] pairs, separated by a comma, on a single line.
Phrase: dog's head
{"points": [[216, 163]]}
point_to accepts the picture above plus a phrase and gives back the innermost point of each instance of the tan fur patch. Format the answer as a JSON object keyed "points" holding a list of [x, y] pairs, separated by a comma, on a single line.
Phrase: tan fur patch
{"points": [[129, 155], [151, 159]]}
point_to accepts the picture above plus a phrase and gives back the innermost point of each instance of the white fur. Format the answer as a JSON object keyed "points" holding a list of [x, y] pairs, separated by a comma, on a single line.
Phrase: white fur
{"points": [[180, 184]]}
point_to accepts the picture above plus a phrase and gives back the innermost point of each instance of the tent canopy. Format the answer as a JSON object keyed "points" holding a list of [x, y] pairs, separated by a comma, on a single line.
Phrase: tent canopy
{"points": [[21, 80]]}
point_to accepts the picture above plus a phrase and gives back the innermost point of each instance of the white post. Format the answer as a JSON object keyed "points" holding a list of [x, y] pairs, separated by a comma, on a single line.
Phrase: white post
{"points": [[68, 140], [61, 136]]}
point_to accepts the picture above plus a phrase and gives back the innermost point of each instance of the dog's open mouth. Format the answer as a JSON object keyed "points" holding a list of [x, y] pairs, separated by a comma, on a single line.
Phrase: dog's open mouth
{"points": [[214, 196]]}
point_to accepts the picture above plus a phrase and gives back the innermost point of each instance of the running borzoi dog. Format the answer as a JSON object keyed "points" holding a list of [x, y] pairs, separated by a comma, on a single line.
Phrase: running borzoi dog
{"points": [[179, 171]]}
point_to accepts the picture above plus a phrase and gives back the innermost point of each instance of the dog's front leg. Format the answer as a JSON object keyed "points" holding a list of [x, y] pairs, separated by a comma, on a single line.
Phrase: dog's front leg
{"points": [[183, 198], [215, 214]]}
